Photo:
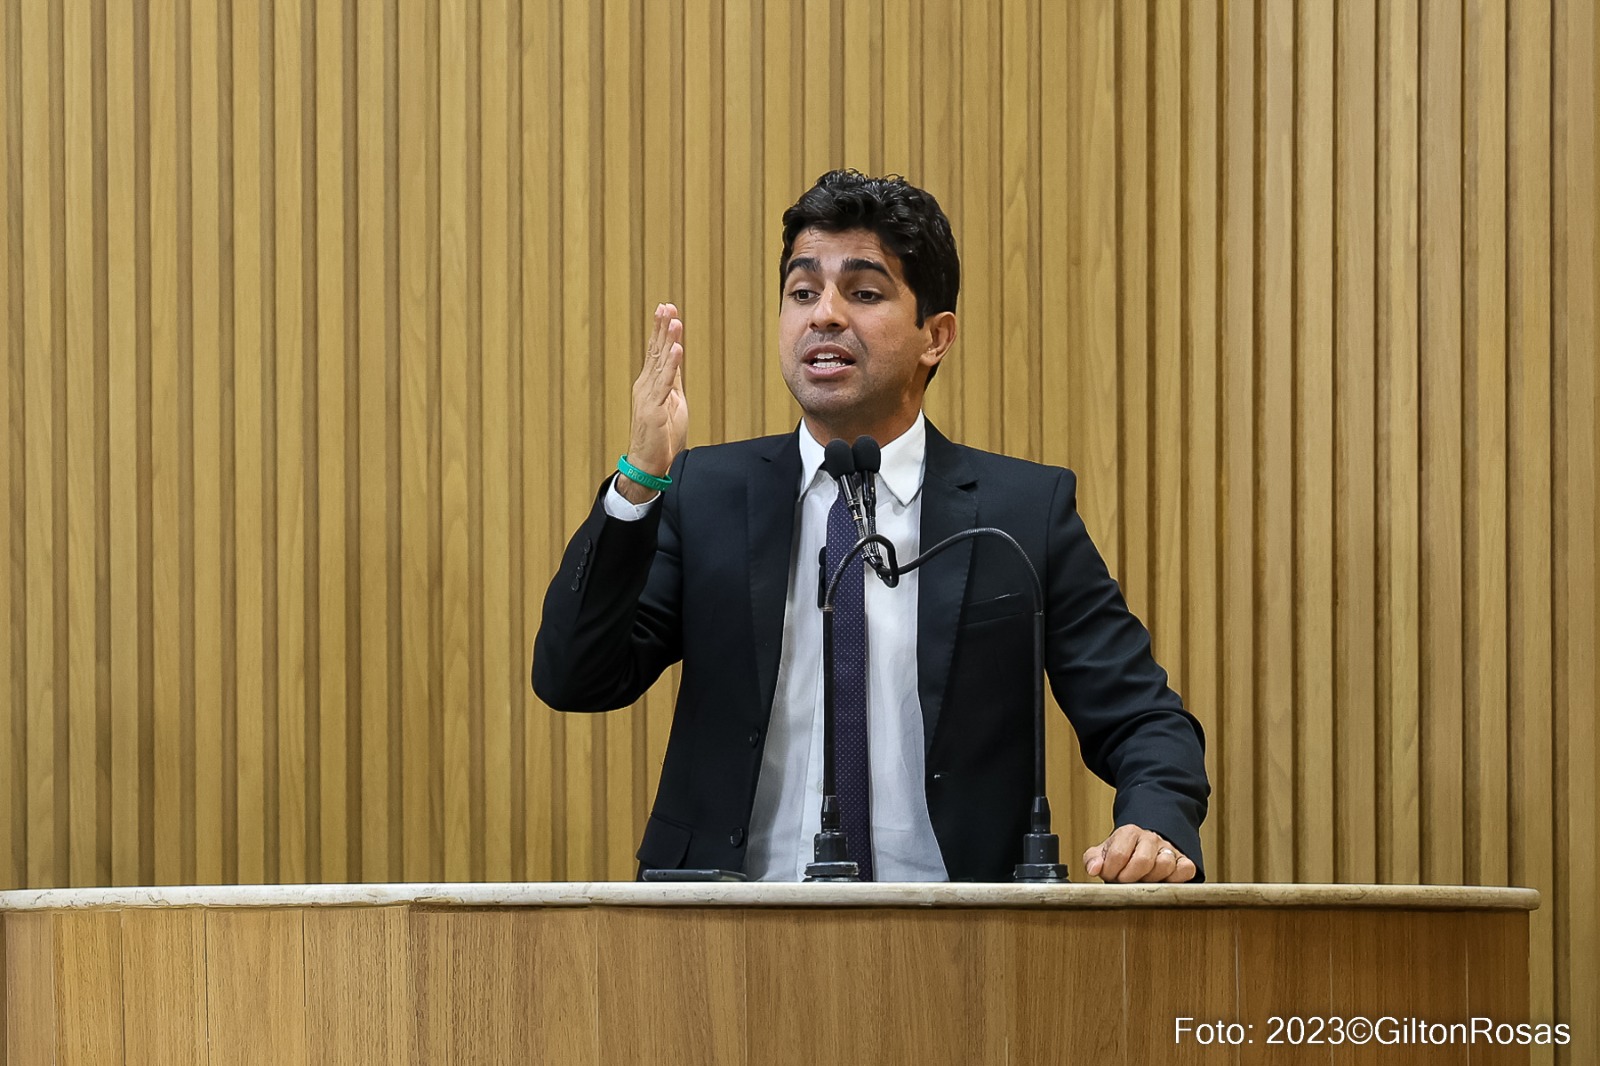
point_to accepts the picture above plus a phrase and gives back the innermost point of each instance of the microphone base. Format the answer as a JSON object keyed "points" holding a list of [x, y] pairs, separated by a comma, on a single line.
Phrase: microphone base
{"points": [[1040, 852], [833, 871], [1040, 873], [831, 860]]}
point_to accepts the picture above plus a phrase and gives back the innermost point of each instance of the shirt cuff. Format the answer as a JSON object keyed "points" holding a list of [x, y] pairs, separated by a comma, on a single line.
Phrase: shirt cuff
{"points": [[618, 506]]}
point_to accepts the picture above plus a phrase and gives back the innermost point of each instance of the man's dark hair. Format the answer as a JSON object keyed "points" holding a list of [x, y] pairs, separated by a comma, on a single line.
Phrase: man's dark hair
{"points": [[906, 219]]}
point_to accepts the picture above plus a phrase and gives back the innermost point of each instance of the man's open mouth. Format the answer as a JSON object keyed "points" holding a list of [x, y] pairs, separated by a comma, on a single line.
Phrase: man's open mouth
{"points": [[828, 357]]}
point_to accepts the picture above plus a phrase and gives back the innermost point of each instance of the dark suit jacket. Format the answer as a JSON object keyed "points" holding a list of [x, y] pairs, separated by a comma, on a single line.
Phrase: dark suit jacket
{"points": [[703, 578]]}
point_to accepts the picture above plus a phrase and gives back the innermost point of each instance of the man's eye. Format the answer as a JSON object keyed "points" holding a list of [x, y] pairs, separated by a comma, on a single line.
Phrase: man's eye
{"points": [[868, 296], [800, 295]]}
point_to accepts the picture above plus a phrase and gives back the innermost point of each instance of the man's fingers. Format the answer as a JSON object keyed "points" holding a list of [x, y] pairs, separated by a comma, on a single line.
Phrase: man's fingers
{"points": [[1142, 861], [1118, 849], [658, 329], [669, 358], [1166, 862], [1132, 853]]}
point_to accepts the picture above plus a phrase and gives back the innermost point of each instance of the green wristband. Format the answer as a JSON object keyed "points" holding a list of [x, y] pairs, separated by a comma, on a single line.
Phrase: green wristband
{"points": [[649, 481]]}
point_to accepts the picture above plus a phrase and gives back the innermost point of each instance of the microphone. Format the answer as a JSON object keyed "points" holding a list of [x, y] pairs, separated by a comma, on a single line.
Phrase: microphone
{"points": [[840, 461], [868, 459]]}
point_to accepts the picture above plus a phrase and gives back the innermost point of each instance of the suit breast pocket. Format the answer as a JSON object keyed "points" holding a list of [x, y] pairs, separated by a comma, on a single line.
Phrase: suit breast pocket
{"points": [[1011, 605]]}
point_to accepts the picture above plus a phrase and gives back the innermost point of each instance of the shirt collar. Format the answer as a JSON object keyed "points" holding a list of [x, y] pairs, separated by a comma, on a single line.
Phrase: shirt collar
{"points": [[902, 467]]}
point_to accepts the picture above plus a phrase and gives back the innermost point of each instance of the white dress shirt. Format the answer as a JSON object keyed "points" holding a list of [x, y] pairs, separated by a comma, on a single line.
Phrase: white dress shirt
{"points": [[787, 812]]}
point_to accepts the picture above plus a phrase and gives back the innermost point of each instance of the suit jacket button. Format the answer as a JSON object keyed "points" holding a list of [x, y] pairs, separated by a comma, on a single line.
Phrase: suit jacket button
{"points": [[736, 837], [938, 775], [755, 737]]}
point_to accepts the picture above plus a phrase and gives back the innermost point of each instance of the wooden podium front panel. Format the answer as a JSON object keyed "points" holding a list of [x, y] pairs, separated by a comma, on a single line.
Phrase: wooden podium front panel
{"points": [[432, 985]]}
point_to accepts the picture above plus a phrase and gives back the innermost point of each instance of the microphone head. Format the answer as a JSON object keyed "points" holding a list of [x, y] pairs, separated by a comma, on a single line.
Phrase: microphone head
{"points": [[868, 456], [837, 459]]}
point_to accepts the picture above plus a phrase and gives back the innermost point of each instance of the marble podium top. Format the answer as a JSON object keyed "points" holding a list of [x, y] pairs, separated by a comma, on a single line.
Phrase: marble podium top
{"points": [[714, 894]]}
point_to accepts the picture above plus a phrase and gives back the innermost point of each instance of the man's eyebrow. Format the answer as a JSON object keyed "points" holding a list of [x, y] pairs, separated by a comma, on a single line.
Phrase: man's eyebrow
{"points": [[852, 266], [849, 266], [803, 263]]}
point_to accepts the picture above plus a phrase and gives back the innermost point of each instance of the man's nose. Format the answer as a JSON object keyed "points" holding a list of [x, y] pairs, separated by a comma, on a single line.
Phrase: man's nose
{"points": [[827, 312]]}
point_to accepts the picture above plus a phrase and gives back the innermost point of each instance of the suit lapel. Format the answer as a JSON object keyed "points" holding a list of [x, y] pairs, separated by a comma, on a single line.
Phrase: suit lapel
{"points": [[771, 492], [948, 506]]}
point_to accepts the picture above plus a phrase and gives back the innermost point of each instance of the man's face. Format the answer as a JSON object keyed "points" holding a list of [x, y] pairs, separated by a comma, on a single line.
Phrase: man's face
{"points": [[852, 352]]}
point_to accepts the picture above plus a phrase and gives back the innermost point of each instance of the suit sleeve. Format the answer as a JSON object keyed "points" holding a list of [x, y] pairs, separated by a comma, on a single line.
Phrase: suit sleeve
{"points": [[612, 620], [1132, 728]]}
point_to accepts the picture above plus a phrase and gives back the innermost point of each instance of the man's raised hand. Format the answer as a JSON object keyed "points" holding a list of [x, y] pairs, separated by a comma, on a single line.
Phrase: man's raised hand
{"points": [[660, 410]]}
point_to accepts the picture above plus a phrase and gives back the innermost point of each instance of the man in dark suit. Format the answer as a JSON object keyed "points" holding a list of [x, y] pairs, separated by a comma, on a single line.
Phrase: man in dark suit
{"points": [[710, 556]]}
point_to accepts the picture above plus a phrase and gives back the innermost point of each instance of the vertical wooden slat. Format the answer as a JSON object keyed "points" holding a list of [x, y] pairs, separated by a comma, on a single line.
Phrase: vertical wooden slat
{"points": [[164, 458], [701, 311], [815, 45], [502, 644], [1016, 263], [60, 589], [1577, 335], [1236, 786], [460, 716], [13, 796], [1399, 783], [288, 242], [854, 44], [1093, 416], [662, 275], [540, 379], [781, 183], [1277, 716], [1314, 502], [1529, 482], [82, 212], [122, 268], [976, 223], [1441, 410], [206, 310], [1355, 444], [248, 428], [899, 55], [1164, 420], [621, 334], [1202, 688], [584, 780], [38, 441], [1129, 556], [376, 312], [333, 318], [416, 226], [1059, 282], [941, 175], [1485, 447]]}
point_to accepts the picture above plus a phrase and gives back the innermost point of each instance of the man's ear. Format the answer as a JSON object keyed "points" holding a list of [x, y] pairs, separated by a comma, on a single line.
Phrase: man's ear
{"points": [[941, 335]]}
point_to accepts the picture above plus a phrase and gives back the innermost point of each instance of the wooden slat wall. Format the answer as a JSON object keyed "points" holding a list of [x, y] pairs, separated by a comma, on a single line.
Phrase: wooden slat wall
{"points": [[319, 322]]}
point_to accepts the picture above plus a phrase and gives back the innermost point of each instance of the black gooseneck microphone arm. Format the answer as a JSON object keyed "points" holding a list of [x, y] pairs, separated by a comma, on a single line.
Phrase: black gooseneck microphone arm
{"points": [[1041, 848]]}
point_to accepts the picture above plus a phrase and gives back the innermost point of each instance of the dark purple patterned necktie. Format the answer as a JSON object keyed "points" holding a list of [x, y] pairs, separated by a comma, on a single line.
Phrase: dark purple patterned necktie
{"points": [[850, 689]]}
